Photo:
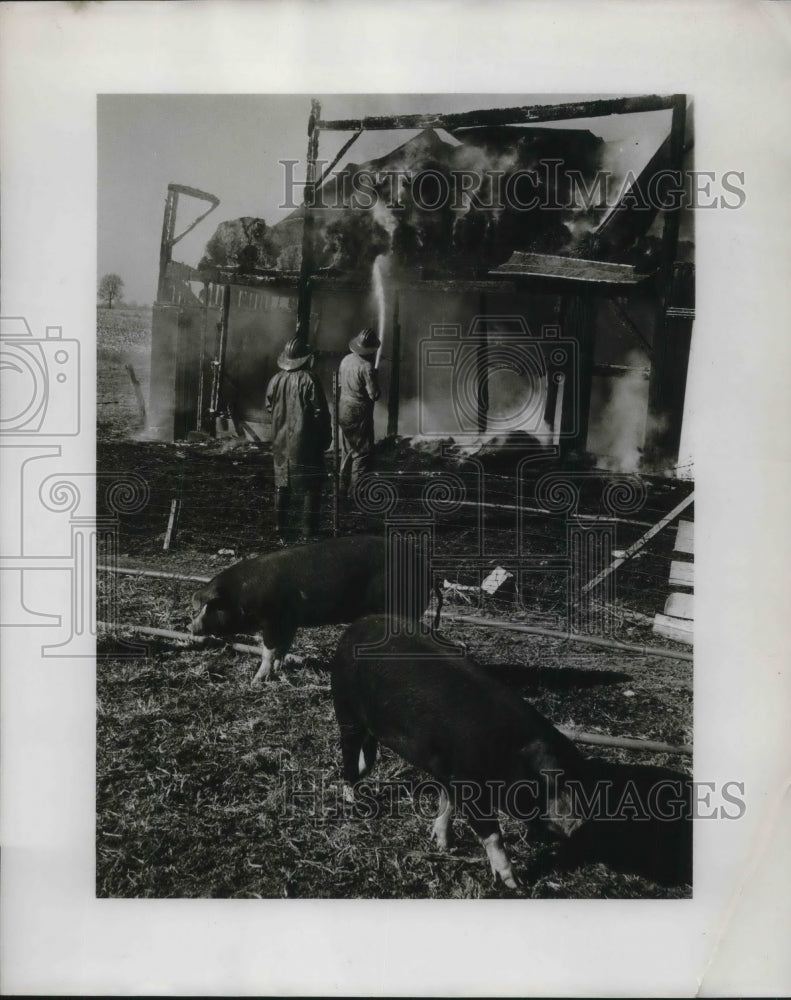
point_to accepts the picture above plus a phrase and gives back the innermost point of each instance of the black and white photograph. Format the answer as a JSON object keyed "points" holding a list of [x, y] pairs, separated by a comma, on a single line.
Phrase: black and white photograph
{"points": [[423, 393], [394, 531]]}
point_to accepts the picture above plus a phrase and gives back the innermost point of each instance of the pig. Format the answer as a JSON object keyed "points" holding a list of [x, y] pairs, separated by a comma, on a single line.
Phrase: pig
{"points": [[328, 582], [488, 749]]}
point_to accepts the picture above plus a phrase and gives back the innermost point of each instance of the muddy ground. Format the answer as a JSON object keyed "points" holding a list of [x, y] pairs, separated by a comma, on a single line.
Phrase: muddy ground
{"points": [[207, 787]]}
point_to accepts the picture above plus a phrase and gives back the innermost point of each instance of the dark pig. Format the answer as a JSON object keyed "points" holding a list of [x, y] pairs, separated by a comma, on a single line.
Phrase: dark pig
{"points": [[324, 583], [446, 715], [489, 750]]}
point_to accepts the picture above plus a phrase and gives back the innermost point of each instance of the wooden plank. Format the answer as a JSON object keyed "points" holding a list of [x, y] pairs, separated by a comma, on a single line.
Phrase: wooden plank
{"points": [[680, 606], [678, 629], [640, 543], [685, 537], [626, 742], [682, 574], [589, 640], [170, 534]]}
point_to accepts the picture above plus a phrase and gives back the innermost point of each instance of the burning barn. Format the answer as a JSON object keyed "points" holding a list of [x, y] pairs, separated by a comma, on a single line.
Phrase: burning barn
{"points": [[512, 293]]}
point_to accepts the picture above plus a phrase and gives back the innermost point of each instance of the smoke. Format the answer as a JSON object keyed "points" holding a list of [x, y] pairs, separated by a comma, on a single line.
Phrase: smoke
{"points": [[379, 273], [625, 427], [515, 415]]}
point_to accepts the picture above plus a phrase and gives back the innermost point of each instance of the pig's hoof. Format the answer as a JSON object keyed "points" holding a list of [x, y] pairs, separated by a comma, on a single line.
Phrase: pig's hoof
{"points": [[442, 838], [348, 795], [510, 880]]}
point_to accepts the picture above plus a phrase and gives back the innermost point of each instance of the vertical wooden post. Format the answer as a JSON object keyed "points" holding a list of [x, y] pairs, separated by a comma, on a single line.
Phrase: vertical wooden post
{"points": [[673, 215], [170, 534], [672, 342], [393, 400], [219, 362], [336, 454], [482, 366], [308, 263], [578, 324], [166, 241], [557, 412], [204, 337]]}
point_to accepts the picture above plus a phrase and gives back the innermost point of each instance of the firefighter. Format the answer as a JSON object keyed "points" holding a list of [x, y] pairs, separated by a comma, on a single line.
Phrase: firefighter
{"points": [[301, 431], [358, 393]]}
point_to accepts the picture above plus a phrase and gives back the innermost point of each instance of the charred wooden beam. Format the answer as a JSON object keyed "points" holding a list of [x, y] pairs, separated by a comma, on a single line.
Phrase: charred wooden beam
{"points": [[166, 240], [482, 368], [395, 373], [200, 416], [344, 148], [578, 324], [528, 115], [673, 215], [192, 192], [308, 264], [456, 285], [218, 365], [169, 239], [618, 307], [336, 454], [673, 341], [618, 371]]}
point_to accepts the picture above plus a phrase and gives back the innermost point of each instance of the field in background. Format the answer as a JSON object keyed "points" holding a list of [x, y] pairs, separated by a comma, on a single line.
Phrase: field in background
{"points": [[193, 764], [123, 338]]}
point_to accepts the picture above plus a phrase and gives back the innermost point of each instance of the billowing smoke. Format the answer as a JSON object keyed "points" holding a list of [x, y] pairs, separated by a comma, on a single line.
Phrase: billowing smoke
{"points": [[461, 207], [625, 429]]}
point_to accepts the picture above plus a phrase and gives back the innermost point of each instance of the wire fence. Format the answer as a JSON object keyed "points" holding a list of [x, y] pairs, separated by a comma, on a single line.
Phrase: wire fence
{"points": [[496, 519]]}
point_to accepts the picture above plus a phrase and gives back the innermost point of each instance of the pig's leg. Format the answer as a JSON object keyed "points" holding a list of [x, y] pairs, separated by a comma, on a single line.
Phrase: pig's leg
{"points": [[441, 830], [352, 742], [267, 664], [281, 650], [275, 645], [367, 757], [488, 832]]}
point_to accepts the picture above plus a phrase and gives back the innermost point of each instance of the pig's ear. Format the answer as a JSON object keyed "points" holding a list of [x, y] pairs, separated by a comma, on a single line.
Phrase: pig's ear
{"points": [[197, 602]]}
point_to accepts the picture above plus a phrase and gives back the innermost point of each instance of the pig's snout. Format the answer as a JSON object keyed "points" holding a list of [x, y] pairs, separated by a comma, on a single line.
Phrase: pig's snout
{"points": [[196, 625]]}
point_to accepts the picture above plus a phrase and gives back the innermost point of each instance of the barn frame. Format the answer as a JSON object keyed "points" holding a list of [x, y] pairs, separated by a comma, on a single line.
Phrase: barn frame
{"points": [[190, 388]]}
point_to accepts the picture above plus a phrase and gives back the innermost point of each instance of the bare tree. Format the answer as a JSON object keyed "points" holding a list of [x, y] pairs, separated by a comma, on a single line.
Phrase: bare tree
{"points": [[110, 287]]}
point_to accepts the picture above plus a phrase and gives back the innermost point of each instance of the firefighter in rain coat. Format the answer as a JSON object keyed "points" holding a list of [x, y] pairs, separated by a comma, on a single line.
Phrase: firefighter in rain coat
{"points": [[358, 393], [301, 431]]}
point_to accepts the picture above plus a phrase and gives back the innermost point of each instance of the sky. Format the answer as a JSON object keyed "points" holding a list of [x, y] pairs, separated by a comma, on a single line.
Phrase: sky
{"points": [[231, 145]]}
